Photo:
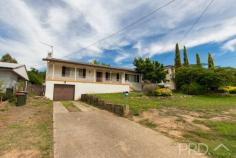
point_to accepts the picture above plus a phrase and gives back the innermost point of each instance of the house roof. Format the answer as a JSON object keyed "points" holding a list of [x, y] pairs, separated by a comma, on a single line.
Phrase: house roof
{"points": [[19, 69], [169, 66], [87, 64], [10, 65]]}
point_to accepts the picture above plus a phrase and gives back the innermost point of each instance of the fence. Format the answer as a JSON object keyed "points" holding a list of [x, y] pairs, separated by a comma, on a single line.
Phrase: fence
{"points": [[36, 89], [121, 110]]}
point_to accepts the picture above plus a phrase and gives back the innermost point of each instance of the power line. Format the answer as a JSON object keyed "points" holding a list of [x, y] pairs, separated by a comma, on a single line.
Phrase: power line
{"points": [[127, 26], [194, 24], [197, 20]]}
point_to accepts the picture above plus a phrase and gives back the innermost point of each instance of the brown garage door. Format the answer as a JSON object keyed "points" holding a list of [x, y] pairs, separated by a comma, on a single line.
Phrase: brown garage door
{"points": [[63, 92]]}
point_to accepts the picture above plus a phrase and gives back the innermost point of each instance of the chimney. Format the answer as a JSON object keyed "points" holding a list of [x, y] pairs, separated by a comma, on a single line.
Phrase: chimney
{"points": [[49, 55]]}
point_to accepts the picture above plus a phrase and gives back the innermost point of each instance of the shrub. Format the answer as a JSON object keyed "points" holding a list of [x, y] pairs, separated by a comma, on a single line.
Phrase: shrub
{"points": [[163, 92], [228, 89], [192, 89], [149, 89], [198, 78]]}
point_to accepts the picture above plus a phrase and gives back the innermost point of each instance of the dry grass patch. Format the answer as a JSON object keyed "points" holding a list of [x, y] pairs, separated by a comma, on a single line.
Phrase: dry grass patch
{"points": [[69, 105], [26, 131]]}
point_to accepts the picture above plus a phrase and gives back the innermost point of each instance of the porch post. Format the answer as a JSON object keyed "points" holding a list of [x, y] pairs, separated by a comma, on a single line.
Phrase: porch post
{"points": [[53, 67], [75, 73], [94, 75], [123, 77], [26, 84], [110, 76]]}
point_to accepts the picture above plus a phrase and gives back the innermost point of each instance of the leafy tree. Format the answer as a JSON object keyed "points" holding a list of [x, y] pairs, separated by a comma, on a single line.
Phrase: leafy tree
{"points": [[99, 63], [210, 61], [36, 77], [177, 56], [186, 63], [151, 70], [8, 58], [198, 60]]}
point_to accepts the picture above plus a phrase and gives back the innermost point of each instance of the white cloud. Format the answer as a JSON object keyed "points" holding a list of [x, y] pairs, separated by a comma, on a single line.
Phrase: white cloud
{"points": [[58, 19], [121, 57], [70, 25], [230, 45]]}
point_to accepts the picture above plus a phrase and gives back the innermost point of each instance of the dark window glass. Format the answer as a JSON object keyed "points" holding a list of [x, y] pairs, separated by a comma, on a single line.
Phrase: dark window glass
{"points": [[66, 71], [84, 73], [126, 77], [81, 73], [117, 76], [63, 71], [107, 76], [138, 79]]}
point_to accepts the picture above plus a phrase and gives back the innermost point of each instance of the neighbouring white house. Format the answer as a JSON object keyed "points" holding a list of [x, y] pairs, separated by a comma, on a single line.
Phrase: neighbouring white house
{"points": [[13, 76], [67, 80]]}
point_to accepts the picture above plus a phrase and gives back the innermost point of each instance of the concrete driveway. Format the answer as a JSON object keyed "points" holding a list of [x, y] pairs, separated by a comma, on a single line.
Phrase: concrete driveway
{"points": [[94, 133]]}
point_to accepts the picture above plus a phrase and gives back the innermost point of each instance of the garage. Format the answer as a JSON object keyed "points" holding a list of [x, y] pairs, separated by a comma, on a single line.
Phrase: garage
{"points": [[63, 92]]}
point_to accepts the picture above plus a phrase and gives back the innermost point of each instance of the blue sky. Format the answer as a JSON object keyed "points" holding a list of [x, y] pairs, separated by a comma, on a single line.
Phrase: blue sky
{"points": [[70, 25]]}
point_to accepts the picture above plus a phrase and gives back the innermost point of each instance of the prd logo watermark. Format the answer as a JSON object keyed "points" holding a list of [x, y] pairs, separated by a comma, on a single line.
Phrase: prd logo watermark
{"points": [[200, 148]]}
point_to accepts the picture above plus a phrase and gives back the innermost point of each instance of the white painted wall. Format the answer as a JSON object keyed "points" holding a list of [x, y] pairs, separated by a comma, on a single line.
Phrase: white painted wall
{"points": [[135, 86], [86, 88], [8, 78]]}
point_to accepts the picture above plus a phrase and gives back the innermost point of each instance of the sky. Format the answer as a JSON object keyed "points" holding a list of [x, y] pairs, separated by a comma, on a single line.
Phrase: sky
{"points": [[73, 27]]}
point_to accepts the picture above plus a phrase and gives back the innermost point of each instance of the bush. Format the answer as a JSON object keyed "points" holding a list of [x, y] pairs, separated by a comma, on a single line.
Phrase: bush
{"points": [[228, 89], [192, 89], [163, 92], [198, 80], [149, 89]]}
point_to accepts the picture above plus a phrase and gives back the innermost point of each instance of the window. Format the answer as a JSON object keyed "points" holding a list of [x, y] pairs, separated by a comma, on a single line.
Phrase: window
{"points": [[107, 76], [126, 77], [137, 78], [132, 78], [81, 73], [117, 76], [65, 71]]}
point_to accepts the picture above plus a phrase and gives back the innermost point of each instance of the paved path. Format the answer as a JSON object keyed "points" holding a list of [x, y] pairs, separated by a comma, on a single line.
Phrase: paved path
{"points": [[93, 133]]}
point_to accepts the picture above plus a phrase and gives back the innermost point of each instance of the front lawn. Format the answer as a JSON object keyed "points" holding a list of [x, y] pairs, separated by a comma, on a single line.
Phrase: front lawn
{"points": [[199, 119], [139, 102], [26, 131]]}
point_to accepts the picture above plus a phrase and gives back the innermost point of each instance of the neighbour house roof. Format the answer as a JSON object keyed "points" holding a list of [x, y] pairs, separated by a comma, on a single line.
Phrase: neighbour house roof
{"points": [[169, 66], [19, 69], [88, 64]]}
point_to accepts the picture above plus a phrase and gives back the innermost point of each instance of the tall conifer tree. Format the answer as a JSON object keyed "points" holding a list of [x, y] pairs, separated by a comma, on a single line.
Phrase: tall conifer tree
{"points": [[186, 63], [210, 61], [177, 56], [198, 60]]}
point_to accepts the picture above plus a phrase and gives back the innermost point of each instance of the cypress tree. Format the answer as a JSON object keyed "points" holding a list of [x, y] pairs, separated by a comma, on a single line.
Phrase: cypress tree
{"points": [[210, 61], [177, 56], [198, 60], [186, 63]]}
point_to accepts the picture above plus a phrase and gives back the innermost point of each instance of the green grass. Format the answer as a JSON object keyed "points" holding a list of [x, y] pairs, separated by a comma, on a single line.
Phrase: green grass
{"points": [[139, 102], [28, 127], [69, 105], [221, 133]]}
